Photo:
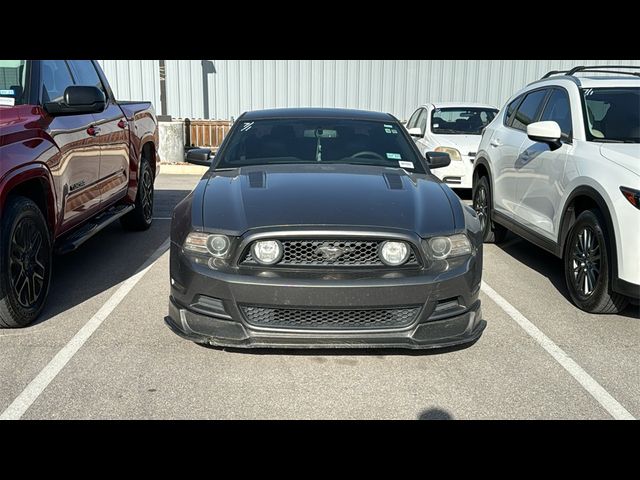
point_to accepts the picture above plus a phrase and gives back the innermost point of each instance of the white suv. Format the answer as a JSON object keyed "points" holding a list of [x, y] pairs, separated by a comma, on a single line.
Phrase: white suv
{"points": [[453, 128], [560, 166]]}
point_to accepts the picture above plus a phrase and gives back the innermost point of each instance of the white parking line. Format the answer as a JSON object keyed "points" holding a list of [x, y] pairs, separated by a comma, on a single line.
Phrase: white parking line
{"points": [[29, 395], [603, 397]]}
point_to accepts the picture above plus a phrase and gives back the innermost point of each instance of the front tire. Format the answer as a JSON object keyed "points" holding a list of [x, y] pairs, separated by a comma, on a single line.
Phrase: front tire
{"points": [[587, 266], [491, 232], [141, 217], [25, 263]]}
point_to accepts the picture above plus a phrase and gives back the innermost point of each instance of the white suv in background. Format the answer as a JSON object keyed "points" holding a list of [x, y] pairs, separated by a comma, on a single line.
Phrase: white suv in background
{"points": [[454, 128], [560, 166]]}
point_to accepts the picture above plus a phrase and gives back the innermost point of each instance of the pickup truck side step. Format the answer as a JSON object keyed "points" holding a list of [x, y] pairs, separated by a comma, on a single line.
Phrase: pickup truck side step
{"points": [[89, 229]]}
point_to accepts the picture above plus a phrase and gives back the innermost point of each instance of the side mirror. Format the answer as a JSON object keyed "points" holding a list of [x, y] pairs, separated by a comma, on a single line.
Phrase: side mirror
{"points": [[199, 156], [78, 100], [437, 159], [415, 132], [545, 132]]}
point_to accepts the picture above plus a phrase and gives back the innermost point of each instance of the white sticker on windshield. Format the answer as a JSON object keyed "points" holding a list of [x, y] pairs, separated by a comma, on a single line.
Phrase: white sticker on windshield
{"points": [[436, 125], [7, 92], [388, 130], [404, 164], [394, 131], [388, 126], [7, 101], [394, 156], [246, 126]]}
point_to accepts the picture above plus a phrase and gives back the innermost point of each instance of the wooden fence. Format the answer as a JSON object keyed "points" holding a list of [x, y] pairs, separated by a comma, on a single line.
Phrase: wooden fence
{"points": [[205, 133]]}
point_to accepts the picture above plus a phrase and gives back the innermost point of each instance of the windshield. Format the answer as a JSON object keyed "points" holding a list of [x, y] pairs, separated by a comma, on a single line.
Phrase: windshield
{"points": [[319, 140], [612, 114], [12, 80], [461, 120]]}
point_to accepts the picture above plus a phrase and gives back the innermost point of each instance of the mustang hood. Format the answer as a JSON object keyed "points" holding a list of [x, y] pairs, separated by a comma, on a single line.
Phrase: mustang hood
{"points": [[238, 200]]}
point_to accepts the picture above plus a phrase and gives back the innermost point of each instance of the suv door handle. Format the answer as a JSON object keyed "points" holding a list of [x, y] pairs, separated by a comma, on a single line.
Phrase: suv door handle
{"points": [[495, 143], [93, 131]]}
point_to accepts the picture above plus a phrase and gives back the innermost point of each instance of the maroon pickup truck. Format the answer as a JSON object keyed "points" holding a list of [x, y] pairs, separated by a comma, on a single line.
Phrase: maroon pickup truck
{"points": [[72, 160]]}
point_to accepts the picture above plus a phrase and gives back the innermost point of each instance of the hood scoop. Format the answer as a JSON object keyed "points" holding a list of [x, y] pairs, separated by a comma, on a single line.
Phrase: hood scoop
{"points": [[394, 181], [257, 179]]}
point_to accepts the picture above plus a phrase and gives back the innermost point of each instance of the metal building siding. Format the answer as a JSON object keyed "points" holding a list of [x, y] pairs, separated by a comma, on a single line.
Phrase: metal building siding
{"points": [[134, 79], [395, 86]]}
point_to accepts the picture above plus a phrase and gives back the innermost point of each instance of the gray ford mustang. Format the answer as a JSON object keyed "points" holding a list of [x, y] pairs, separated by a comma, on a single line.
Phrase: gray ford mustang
{"points": [[324, 228]]}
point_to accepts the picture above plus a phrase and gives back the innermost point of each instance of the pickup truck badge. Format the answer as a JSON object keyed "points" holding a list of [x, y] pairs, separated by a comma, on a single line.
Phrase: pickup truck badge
{"points": [[77, 185]]}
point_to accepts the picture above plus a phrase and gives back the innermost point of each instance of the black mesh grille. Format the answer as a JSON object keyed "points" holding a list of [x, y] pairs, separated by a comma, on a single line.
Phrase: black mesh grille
{"points": [[329, 319], [308, 253]]}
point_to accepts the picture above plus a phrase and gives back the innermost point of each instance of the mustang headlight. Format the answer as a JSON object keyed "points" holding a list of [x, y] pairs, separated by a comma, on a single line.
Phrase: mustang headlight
{"points": [[267, 252], [207, 244], [454, 153], [394, 253], [447, 247]]}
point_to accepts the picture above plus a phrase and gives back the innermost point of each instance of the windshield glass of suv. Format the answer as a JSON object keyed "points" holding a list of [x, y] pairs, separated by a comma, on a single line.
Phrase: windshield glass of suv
{"points": [[461, 120], [612, 114], [12, 75], [319, 140]]}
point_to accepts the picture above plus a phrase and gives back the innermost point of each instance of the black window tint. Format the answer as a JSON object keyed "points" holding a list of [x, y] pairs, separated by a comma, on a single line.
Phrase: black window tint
{"points": [[511, 108], [56, 77], [422, 121], [558, 110], [528, 109], [85, 73], [414, 119]]}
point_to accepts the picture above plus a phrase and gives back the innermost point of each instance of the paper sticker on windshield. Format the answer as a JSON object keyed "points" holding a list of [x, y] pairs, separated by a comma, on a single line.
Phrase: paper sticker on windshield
{"points": [[393, 156], [246, 126], [436, 125], [388, 126], [404, 164], [7, 92], [394, 131], [388, 130], [8, 101]]}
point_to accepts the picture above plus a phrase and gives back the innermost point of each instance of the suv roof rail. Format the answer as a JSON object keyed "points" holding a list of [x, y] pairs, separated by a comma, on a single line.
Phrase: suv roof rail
{"points": [[596, 69]]}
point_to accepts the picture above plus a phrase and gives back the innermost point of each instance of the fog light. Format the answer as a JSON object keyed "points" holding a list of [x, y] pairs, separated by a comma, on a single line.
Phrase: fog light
{"points": [[394, 253], [267, 252]]}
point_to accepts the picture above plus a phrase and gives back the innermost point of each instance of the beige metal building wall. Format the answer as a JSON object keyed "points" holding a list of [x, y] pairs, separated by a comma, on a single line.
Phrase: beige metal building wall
{"points": [[395, 86]]}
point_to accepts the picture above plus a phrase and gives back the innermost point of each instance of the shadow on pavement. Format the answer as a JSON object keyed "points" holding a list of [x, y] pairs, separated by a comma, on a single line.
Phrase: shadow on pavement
{"points": [[435, 414], [548, 265], [105, 260]]}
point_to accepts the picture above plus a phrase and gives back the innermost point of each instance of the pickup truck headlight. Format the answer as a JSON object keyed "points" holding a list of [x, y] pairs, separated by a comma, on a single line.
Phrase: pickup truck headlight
{"points": [[441, 248], [207, 244], [454, 153]]}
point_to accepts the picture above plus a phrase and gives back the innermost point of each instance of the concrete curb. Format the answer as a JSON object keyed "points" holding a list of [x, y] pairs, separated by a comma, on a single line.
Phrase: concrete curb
{"points": [[179, 169]]}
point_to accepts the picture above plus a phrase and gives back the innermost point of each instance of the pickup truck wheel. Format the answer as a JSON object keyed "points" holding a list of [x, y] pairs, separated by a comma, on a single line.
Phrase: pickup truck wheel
{"points": [[491, 232], [586, 266], [141, 217], [25, 263]]}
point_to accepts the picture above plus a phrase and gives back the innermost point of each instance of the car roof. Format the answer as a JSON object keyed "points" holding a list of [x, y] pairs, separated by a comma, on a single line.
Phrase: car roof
{"points": [[459, 104], [318, 113]]}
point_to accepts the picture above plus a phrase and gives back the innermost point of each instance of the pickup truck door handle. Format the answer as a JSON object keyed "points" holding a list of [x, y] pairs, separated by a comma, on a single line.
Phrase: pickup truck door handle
{"points": [[93, 131], [123, 123], [495, 143]]}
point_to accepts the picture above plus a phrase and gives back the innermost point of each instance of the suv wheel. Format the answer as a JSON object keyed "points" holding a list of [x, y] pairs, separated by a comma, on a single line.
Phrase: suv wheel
{"points": [[491, 232], [586, 266], [25, 263], [141, 216]]}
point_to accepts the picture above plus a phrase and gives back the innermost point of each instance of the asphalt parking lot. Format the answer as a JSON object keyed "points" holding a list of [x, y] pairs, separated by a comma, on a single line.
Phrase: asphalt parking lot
{"points": [[101, 350]]}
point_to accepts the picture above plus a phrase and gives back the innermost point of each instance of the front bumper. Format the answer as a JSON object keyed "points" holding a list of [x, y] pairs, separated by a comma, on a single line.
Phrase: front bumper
{"points": [[206, 305]]}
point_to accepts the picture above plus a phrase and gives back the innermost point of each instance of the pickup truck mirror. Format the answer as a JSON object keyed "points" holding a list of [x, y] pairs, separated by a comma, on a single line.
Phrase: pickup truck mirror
{"points": [[437, 159], [78, 100], [199, 156]]}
